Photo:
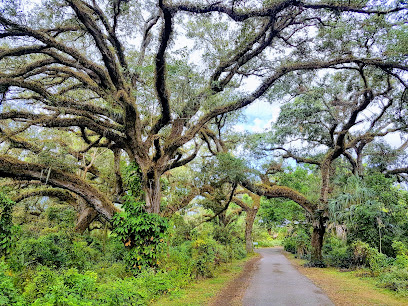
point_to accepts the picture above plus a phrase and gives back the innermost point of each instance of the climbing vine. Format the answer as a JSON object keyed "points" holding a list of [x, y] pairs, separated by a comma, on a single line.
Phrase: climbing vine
{"points": [[142, 233], [8, 230]]}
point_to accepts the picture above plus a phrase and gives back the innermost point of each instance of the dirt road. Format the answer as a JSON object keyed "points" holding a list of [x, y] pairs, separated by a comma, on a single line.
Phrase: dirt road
{"points": [[277, 282]]}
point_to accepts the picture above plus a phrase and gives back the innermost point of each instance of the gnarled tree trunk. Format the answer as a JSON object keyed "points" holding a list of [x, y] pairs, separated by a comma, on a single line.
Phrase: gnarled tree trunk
{"points": [[319, 229], [249, 223], [152, 190], [85, 218]]}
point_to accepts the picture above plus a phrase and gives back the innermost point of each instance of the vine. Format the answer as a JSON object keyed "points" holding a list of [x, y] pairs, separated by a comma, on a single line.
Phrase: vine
{"points": [[8, 230], [142, 233]]}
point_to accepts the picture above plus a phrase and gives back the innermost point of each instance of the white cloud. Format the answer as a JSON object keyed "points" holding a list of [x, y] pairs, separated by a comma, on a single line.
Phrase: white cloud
{"points": [[259, 117]]}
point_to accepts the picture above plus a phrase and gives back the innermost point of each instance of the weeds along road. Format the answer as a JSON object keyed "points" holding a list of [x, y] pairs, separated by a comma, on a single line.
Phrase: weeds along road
{"points": [[277, 282]]}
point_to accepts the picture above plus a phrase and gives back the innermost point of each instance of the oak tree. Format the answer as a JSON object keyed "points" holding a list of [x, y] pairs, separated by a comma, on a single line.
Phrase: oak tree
{"points": [[117, 75]]}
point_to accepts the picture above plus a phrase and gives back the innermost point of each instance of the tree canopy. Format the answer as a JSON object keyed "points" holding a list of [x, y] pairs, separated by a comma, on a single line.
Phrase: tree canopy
{"points": [[148, 81]]}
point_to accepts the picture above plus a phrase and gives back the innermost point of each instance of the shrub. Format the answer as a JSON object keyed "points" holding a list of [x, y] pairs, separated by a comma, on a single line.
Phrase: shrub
{"points": [[401, 250], [289, 244], [61, 215], [378, 261], [8, 230], [337, 253], [56, 249], [50, 287], [142, 289], [177, 258], [121, 292], [395, 279], [361, 252], [298, 243], [401, 261], [9, 294], [142, 233], [79, 284], [203, 254]]}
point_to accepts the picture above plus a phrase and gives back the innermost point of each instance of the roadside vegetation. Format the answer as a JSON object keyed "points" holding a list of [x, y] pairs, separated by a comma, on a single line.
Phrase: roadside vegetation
{"points": [[45, 262], [349, 287], [367, 232]]}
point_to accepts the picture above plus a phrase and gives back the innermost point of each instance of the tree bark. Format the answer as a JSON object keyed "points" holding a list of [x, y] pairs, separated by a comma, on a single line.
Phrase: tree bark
{"points": [[152, 190], [12, 167], [319, 229], [249, 223], [85, 218], [250, 217]]}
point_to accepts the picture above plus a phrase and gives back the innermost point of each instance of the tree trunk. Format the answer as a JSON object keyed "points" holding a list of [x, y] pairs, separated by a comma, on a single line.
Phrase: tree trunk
{"points": [[118, 176], [85, 218], [321, 215], [249, 223], [319, 229], [152, 189]]}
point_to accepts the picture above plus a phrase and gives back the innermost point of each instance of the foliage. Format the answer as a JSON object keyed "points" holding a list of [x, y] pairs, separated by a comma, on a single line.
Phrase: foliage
{"points": [[61, 215], [224, 167], [395, 279], [132, 179], [50, 287], [58, 249], [142, 233], [8, 230], [337, 253], [204, 254], [373, 211], [298, 241], [9, 294], [274, 212]]}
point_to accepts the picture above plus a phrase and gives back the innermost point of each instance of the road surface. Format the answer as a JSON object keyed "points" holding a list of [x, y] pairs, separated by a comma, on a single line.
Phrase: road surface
{"points": [[277, 282]]}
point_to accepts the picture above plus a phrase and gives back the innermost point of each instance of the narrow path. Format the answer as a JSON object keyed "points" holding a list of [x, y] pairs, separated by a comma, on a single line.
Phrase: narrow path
{"points": [[277, 282]]}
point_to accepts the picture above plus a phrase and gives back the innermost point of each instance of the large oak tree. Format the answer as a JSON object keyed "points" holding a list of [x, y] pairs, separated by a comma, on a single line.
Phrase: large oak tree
{"points": [[117, 75]]}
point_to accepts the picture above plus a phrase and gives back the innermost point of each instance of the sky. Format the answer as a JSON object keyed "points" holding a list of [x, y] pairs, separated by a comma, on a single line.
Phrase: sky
{"points": [[259, 116]]}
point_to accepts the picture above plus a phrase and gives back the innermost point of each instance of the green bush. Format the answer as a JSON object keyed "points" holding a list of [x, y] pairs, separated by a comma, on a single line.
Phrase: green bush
{"points": [[235, 251], [378, 262], [56, 249], [177, 258], [289, 244], [61, 215], [401, 261], [108, 271], [361, 251], [142, 289], [9, 295], [400, 248], [8, 230], [79, 284], [298, 243], [395, 279], [121, 292], [203, 254], [401, 251], [337, 253], [142, 233]]}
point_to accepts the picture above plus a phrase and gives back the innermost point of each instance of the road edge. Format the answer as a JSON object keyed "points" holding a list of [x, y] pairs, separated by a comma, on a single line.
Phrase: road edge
{"points": [[233, 293]]}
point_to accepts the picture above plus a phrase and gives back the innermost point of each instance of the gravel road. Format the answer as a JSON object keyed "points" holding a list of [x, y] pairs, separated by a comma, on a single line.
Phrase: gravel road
{"points": [[277, 282]]}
